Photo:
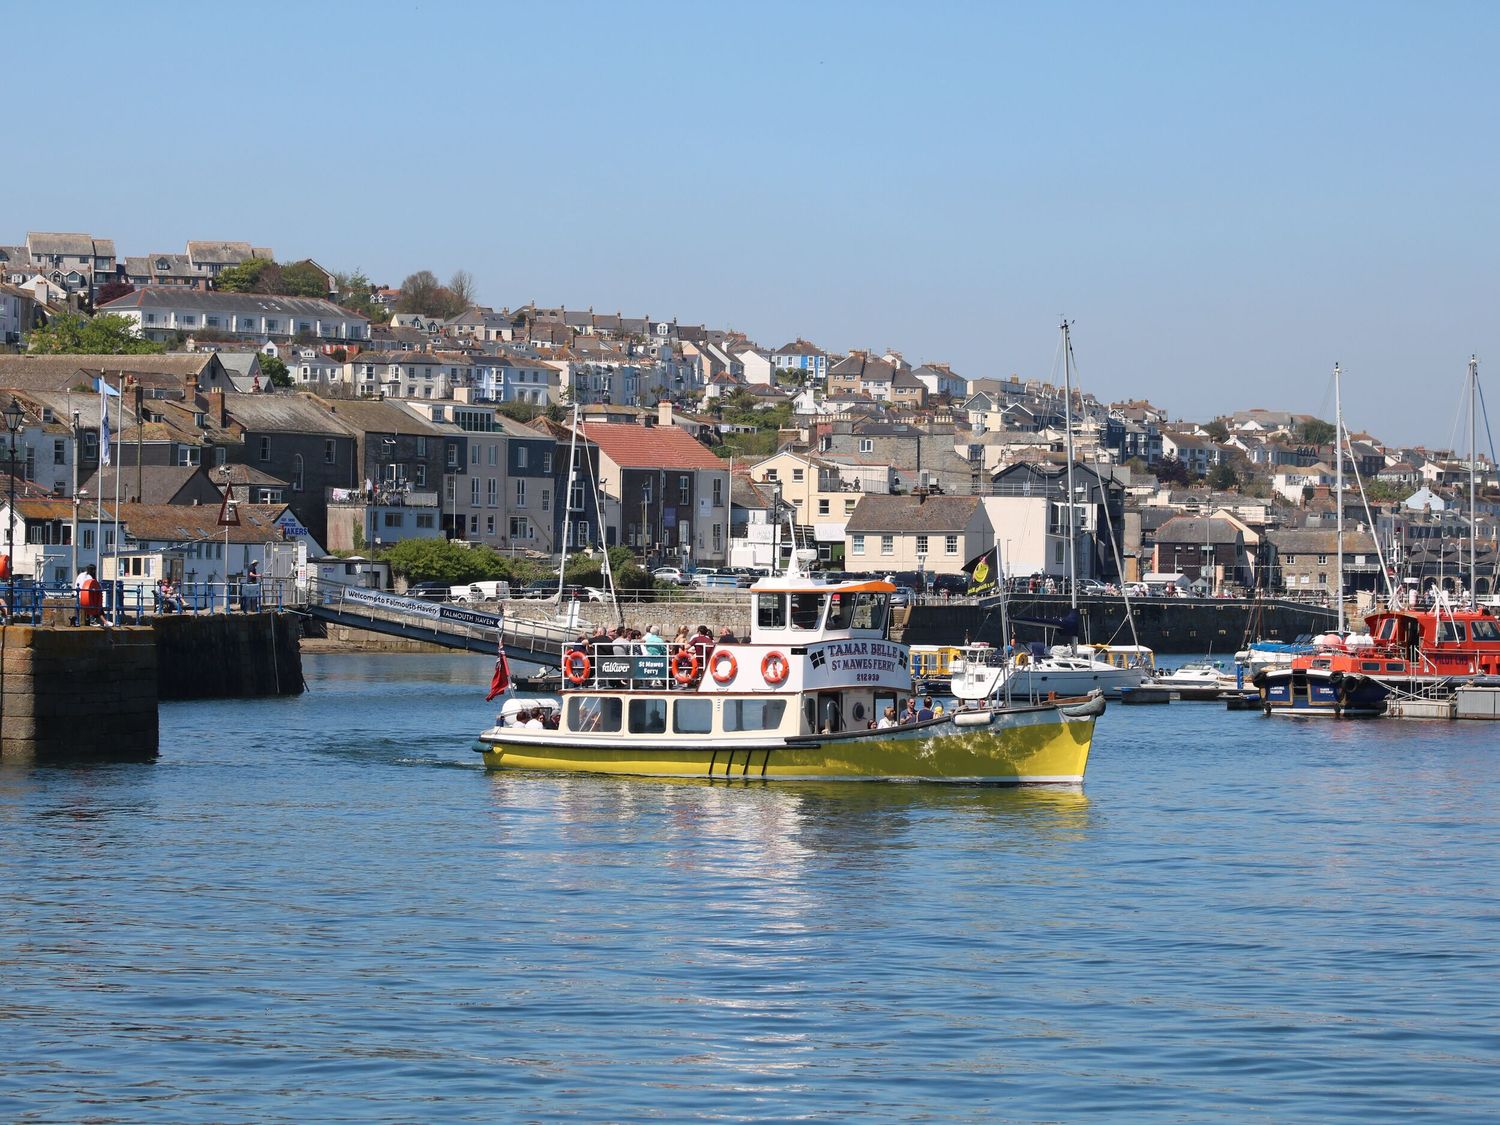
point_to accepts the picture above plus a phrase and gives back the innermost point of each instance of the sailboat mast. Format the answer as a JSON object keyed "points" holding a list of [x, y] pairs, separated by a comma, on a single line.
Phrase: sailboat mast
{"points": [[1473, 471], [1338, 493], [1068, 424], [567, 507]]}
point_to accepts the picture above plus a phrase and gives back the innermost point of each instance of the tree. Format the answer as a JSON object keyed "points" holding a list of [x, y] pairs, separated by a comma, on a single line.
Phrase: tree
{"points": [[275, 370], [303, 279], [253, 275], [1223, 477], [1315, 431], [1217, 430], [1171, 471], [354, 291], [113, 291], [105, 334], [461, 285], [419, 291]]}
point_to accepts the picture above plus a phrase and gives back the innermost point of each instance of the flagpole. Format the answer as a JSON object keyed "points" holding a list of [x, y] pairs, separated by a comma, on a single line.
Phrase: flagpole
{"points": [[119, 429], [105, 460]]}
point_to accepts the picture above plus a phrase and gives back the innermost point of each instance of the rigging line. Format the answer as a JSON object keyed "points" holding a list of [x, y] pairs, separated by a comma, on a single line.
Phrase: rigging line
{"points": [[1390, 592], [1485, 414]]}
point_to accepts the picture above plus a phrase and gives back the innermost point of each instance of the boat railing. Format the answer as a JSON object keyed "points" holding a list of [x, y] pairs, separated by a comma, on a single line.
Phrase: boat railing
{"points": [[681, 668]]}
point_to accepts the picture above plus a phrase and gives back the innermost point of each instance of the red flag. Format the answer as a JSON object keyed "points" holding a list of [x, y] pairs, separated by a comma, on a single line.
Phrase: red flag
{"points": [[501, 680]]}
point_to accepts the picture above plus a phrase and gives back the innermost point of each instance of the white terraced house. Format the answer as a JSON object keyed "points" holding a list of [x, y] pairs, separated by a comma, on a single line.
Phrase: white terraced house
{"points": [[161, 311]]}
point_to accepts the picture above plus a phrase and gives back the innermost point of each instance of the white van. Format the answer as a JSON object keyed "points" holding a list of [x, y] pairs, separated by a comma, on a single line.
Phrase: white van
{"points": [[480, 592]]}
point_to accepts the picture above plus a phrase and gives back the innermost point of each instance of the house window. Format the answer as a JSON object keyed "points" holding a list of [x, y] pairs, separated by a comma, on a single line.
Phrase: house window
{"points": [[823, 506], [575, 497], [1322, 561], [950, 544], [521, 452], [393, 519], [221, 455], [547, 463], [421, 474], [849, 507], [857, 544], [494, 456], [646, 491], [770, 474], [452, 455], [519, 525], [474, 455], [546, 499], [426, 519], [1322, 578], [421, 446], [684, 488], [887, 544], [492, 491], [474, 523], [59, 452], [272, 325], [211, 321], [798, 474], [520, 494], [921, 544], [189, 455], [866, 445], [718, 537], [474, 490], [489, 525], [265, 449], [718, 493], [297, 473], [329, 451]]}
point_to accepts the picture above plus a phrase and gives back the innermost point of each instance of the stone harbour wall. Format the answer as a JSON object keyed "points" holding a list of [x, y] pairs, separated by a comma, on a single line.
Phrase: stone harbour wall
{"points": [[69, 693], [227, 656]]}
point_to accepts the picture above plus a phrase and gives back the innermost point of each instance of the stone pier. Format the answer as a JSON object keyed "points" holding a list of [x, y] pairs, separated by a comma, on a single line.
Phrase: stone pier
{"points": [[77, 693]]}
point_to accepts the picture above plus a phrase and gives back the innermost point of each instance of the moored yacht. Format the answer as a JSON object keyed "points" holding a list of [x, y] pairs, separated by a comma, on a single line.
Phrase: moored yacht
{"points": [[811, 696]]}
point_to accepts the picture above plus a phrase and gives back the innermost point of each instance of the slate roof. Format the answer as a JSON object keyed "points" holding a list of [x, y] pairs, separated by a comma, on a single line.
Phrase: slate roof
{"points": [[184, 523], [220, 253], [912, 513], [1192, 530], [160, 484], [255, 304], [646, 447], [71, 244], [373, 416], [290, 413], [1301, 541]]}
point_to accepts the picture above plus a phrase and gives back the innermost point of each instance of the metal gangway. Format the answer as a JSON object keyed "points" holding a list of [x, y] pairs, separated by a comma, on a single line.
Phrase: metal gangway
{"points": [[440, 623]]}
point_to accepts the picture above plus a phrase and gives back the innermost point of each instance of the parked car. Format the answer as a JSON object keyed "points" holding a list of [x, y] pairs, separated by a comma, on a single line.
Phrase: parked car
{"points": [[538, 590], [1092, 586], [431, 591], [482, 591], [954, 585], [904, 596], [669, 574]]}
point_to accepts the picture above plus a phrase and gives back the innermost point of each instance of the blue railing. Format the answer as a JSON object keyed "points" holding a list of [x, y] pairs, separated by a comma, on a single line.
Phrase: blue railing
{"points": [[125, 602]]}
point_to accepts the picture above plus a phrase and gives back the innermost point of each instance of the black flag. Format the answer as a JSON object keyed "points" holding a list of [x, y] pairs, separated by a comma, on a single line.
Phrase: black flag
{"points": [[984, 573]]}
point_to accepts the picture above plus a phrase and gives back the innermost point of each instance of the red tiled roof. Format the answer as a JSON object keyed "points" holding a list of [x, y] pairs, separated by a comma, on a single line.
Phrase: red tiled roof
{"points": [[650, 447]]}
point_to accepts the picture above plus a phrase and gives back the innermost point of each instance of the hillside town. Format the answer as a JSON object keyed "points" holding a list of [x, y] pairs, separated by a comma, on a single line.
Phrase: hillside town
{"points": [[352, 417]]}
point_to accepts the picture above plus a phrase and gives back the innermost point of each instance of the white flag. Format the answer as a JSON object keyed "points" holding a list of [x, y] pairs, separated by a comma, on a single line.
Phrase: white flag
{"points": [[103, 423]]}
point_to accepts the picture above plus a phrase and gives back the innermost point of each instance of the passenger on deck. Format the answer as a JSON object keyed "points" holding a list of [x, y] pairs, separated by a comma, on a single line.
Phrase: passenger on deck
{"points": [[924, 713], [652, 641], [910, 714], [727, 637], [887, 720], [703, 643]]}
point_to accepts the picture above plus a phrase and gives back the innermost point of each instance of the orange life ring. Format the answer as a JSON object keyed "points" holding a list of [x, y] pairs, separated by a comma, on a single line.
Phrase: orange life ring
{"points": [[716, 666], [691, 674], [774, 668], [576, 667]]}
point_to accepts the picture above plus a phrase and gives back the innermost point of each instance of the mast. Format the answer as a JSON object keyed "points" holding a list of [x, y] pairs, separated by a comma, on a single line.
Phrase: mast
{"points": [[562, 566], [1068, 424], [1338, 454], [1473, 471]]}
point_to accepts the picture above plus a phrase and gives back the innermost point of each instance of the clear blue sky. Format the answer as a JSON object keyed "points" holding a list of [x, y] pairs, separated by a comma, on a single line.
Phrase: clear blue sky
{"points": [[1225, 198]]}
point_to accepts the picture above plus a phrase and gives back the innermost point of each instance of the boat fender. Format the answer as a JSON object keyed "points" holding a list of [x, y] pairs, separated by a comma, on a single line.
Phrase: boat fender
{"points": [[685, 675], [973, 718], [723, 666], [576, 667], [774, 668]]}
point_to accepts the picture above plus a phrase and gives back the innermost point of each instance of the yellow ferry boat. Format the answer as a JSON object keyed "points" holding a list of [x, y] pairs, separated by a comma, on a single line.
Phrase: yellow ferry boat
{"points": [[808, 698]]}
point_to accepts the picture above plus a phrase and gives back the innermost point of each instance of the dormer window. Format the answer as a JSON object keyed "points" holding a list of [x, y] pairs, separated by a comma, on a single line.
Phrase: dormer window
{"points": [[200, 419], [162, 265]]}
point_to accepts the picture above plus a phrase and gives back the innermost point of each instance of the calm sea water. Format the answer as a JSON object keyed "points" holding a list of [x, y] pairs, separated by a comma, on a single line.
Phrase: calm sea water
{"points": [[322, 909]]}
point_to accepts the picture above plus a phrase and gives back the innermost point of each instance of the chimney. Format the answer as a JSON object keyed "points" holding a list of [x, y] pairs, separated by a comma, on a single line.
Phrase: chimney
{"points": [[217, 409], [189, 388], [664, 412]]}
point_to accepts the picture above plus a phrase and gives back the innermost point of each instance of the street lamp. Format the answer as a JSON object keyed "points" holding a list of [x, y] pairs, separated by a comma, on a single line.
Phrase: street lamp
{"points": [[13, 419]]}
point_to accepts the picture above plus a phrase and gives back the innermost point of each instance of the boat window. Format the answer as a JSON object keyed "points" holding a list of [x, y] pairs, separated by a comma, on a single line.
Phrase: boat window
{"points": [[1395, 666], [1369, 666], [693, 716], [594, 713], [1484, 631], [753, 714], [1322, 664], [770, 611], [1450, 631], [1388, 628], [807, 609], [869, 611], [840, 610], [648, 716]]}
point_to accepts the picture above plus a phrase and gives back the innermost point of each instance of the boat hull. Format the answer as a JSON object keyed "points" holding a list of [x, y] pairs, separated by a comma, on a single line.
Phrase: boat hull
{"points": [[1300, 691], [1027, 746], [1042, 681]]}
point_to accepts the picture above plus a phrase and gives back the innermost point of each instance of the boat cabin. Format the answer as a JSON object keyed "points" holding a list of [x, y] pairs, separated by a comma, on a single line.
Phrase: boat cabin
{"points": [[1458, 642], [819, 660]]}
